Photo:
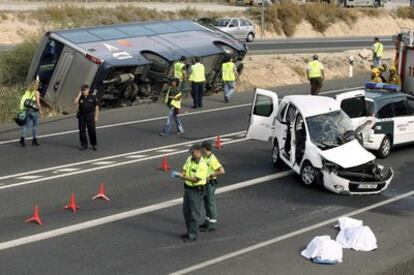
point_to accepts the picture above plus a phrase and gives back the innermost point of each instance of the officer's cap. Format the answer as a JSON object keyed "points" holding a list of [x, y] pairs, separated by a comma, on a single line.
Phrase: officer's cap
{"points": [[195, 147]]}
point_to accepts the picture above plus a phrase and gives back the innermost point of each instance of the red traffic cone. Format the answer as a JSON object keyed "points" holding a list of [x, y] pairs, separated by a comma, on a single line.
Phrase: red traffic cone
{"points": [[72, 204], [218, 144], [164, 165], [101, 193], [35, 218]]}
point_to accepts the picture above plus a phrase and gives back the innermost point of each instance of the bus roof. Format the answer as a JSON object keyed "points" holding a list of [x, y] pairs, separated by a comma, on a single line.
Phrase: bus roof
{"points": [[169, 39]]}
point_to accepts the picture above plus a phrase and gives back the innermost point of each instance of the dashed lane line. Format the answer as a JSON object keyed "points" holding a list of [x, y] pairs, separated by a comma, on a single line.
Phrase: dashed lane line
{"points": [[30, 177], [103, 162], [102, 167], [166, 150], [136, 156], [69, 165], [129, 214]]}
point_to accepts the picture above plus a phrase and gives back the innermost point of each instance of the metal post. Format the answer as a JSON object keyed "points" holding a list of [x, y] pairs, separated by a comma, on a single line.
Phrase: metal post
{"points": [[351, 66], [262, 21]]}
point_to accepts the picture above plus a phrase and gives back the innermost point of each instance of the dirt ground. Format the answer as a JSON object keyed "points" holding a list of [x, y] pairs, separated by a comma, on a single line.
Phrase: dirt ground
{"points": [[267, 71]]}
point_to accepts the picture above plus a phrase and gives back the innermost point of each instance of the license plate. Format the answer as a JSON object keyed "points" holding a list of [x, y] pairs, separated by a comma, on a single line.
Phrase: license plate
{"points": [[367, 186]]}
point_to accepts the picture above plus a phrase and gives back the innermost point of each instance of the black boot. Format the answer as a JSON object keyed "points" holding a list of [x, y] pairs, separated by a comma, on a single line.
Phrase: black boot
{"points": [[22, 142], [34, 142]]}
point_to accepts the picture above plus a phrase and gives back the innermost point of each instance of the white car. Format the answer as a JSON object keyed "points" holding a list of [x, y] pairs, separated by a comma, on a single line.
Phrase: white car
{"points": [[315, 138], [240, 28], [391, 113]]}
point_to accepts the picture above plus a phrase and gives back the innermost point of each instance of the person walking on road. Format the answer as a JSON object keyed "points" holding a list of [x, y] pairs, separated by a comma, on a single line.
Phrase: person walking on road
{"points": [[229, 75], [198, 80], [394, 77], [180, 72], [88, 114], [30, 103], [315, 74], [173, 101], [194, 175], [377, 52], [215, 169]]}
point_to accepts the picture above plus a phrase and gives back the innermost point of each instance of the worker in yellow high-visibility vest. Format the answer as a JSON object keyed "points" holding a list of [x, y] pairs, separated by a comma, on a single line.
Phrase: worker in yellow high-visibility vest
{"points": [[315, 74], [377, 52], [198, 80], [180, 71], [229, 75]]}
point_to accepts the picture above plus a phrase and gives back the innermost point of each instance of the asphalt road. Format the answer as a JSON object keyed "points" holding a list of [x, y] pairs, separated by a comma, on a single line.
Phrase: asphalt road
{"points": [[310, 45], [263, 209]]}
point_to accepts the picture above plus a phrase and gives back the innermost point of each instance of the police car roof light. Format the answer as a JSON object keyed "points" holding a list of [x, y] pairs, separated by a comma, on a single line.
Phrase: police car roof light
{"points": [[382, 86]]}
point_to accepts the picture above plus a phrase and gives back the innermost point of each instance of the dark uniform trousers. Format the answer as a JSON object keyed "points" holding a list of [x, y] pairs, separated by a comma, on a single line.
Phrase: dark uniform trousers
{"points": [[210, 204], [198, 92], [87, 121], [316, 85], [192, 204]]}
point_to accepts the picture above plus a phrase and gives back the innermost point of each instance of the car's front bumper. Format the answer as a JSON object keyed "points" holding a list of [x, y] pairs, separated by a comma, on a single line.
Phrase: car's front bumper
{"points": [[340, 185]]}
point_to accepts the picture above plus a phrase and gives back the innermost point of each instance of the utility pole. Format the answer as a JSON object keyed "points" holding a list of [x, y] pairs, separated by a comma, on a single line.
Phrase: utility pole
{"points": [[262, 20]]}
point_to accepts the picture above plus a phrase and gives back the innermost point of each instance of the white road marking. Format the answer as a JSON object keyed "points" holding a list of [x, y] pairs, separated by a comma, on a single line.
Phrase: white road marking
{"points": [[103, 162], [290, 235], [128, 214], [29, 177], [114, 156], [136, 156], [135, 122], [166, 150], [117, 164], [163, 117], [64, 170]]}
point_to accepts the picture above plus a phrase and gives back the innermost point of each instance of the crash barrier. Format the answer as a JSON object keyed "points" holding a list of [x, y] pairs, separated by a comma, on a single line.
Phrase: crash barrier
{"points": [[35, 218]]}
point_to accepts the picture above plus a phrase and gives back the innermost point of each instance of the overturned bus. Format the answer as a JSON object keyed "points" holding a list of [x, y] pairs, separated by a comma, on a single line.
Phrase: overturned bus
{"points": [[127, 63]]}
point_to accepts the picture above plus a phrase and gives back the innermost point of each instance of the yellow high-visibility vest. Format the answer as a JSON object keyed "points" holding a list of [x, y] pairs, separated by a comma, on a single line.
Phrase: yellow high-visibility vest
{"points": [[176, 101], [228, 71], [178, 70], [27, 95], [379, 49], [198, 170], [315, 69], [198, 73]]}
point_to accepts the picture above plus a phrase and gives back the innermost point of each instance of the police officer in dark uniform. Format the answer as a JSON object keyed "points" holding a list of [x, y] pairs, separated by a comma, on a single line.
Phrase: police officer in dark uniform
{"points": [[88, 112]]}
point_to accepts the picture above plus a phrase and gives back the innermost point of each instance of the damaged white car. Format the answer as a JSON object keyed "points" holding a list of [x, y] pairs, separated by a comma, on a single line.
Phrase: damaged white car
{"points": [[315, 138]]}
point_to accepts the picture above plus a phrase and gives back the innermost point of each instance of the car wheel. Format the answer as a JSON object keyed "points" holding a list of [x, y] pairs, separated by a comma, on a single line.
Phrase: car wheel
{"points": [[377, 3], [385, 147], [250, 37], [275, 154], [308, 174]]}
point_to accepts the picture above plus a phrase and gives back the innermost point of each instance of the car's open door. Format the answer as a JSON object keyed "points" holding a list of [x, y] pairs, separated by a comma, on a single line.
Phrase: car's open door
{"points": [[262, 115]]}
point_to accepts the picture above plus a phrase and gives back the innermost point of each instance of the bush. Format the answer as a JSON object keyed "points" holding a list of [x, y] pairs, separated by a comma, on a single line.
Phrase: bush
{"points": [[289, 15], [405, 12], [15, 63], [9, 103]]}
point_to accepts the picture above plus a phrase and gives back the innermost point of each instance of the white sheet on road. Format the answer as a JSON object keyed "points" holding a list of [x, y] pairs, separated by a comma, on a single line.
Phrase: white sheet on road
{"points": [[354, 235], [323, 248]]}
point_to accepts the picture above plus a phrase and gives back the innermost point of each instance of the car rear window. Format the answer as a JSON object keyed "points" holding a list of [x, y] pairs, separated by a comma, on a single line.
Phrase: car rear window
{"points": [[354, 107]]}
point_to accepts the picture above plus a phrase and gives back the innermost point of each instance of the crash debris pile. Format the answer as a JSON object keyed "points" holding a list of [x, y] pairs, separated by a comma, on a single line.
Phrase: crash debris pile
{"points": [[352, 235]]}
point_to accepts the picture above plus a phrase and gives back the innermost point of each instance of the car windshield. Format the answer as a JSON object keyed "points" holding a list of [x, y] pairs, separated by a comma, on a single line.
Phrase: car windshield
{"points": [[330, 130], [222, 22]]}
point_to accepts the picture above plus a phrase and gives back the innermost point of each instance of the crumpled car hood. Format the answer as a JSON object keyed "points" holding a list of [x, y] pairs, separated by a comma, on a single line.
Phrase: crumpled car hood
{"points": [[348, 155]]}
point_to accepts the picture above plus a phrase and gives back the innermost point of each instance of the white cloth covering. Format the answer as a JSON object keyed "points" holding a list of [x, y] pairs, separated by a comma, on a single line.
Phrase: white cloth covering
{"points": [[324, 248], [354, 235]]}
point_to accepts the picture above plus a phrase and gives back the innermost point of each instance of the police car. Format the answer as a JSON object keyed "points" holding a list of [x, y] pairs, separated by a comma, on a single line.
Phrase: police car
{"points": [[388, 116]]}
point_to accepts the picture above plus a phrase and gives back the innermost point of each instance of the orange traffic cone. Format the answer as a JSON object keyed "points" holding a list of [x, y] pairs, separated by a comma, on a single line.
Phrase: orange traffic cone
{"points": [[72, 204], [35, 218], [218, 144], [164, 165], [101, 193]]}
